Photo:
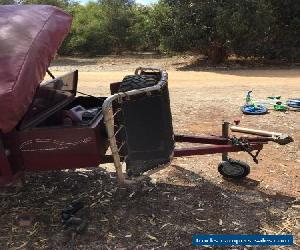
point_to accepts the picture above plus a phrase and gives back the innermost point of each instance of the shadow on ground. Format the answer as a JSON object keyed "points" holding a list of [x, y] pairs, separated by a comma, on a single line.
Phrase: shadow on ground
{"points": [[99, 60], [74, 62], [244, 68], [144, 216]]}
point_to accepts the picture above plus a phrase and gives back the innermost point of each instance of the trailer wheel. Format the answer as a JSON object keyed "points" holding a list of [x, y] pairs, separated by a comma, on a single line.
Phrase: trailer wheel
{"points": [[234, 169], [132, 82]]}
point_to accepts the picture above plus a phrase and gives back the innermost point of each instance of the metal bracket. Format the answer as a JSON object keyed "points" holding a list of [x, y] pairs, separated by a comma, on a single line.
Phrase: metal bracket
{"points": [[245, 145]]}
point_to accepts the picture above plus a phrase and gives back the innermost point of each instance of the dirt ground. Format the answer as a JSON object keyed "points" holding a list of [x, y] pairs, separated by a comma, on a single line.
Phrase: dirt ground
{"points": [[189, 196]]}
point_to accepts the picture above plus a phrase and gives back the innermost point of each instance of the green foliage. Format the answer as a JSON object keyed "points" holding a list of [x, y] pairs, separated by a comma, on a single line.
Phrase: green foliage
{"points": [[143, 34], [244, 27], [111, 26], [191, 25], [216, 28], [89, 34], [59, 3], [5, 2], [118, 18], [249, 28], [285, 39], [100, 28]]}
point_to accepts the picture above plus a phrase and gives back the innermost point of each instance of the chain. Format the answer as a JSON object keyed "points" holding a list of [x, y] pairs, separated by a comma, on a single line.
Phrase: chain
{"points": [[245, 145]]}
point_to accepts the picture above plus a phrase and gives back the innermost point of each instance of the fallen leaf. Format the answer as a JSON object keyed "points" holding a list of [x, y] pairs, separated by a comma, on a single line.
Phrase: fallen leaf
{"points": [[151, 237], [220, 222], [167, 224], [152, 222], [23, 245], [110, 235]]}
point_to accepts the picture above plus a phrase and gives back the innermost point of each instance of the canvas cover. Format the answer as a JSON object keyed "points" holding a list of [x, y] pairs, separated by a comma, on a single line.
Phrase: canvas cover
{"points": [[30, 35]]}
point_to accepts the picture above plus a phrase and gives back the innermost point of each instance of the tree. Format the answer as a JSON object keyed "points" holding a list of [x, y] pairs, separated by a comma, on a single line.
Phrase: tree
{"points": [[192, 26], [284, 42], [216, 28], [5, 2], [99, 28], [245, 27], [118, 18], [89, 34], [144, 33], [59, 3]]}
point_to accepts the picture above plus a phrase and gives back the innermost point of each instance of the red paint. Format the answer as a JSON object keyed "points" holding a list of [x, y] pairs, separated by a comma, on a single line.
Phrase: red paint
{"points": [[217, 140], [27, 48], [217, 149]]}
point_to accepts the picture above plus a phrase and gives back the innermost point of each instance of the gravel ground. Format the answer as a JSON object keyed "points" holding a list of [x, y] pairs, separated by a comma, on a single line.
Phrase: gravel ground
{"points": [[121, 63], [189, 196]]}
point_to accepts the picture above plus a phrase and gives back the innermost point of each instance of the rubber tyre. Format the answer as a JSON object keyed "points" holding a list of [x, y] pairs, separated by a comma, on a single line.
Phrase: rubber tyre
{"points": [[132, 82], [234, 169], [262, 111]]}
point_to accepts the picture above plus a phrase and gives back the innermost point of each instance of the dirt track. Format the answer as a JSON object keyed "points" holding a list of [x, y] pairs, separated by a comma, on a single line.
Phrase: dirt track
{"points": [[189, 196], [201, 100]]}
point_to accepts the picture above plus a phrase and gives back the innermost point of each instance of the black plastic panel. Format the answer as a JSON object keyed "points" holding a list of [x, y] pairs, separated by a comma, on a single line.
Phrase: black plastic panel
{"points": [[149, 131]]}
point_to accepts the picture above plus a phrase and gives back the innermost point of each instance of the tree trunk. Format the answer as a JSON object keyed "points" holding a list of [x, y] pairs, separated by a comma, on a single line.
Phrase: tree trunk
{"points": [[217, 53]]}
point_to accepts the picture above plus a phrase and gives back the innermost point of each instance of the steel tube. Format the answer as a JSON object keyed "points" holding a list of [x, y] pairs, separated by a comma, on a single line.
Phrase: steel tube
{"points": [[254, 131], [109, 122], [212, 150], [216, 140], [225, 134], [109, 116]]}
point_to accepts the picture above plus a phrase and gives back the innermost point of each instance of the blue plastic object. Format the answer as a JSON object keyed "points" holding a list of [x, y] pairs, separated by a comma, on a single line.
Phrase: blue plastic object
{"points": [[293, 103], [254, 109]]}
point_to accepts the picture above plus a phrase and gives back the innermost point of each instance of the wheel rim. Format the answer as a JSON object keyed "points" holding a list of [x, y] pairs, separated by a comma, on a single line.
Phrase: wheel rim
{"points": [[233, 169]]}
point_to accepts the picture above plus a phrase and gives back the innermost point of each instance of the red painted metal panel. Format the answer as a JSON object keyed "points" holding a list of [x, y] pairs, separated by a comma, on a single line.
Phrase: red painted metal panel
{"points": [[45, 149], [212, 150]]}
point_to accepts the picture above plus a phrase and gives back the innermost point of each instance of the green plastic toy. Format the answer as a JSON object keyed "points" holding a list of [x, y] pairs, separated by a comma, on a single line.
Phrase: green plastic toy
{"points": [[280, 107], [259, 107]]}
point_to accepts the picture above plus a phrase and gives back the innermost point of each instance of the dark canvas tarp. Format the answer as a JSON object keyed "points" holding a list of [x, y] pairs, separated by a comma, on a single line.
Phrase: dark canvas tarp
{"points": [[29, 38]]}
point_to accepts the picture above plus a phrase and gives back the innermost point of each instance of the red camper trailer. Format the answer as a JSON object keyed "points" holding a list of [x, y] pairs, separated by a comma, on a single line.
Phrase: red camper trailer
{"points": [[48, 126]]}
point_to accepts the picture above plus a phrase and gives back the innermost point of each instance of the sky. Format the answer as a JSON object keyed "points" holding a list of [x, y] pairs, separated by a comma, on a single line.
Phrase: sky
{"points": [[146, 1]]}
